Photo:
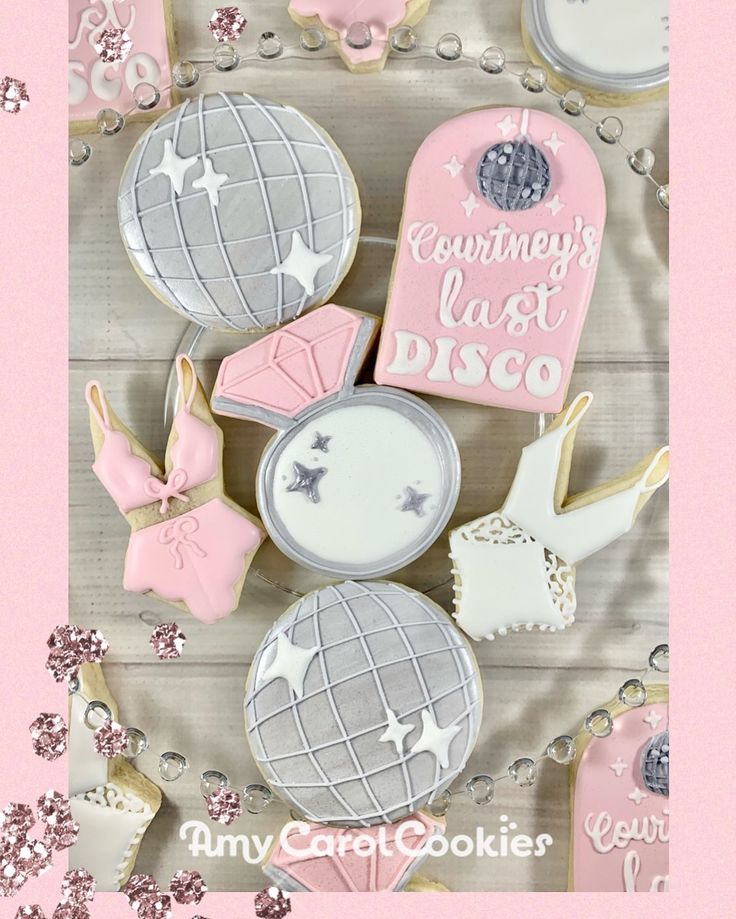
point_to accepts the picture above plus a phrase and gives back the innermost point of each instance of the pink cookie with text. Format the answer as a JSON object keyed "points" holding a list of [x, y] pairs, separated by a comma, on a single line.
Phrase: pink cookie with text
{"points": [[620, 797], [496, 262], [94, 84]]}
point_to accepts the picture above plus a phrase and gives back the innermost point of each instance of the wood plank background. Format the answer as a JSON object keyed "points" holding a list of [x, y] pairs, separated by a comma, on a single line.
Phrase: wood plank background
{"points": [[536, 685]]}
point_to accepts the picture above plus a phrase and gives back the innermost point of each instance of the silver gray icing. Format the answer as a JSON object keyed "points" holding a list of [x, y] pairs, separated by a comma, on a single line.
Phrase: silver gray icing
{"points": [[261, 187], [513, 175], [655, 764], [370, 648]]}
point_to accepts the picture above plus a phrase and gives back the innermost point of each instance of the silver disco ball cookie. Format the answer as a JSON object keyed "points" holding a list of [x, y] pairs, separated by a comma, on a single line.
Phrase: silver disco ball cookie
{"points": [[238, 212], [513, 175], [655, 764], [362, 703]]}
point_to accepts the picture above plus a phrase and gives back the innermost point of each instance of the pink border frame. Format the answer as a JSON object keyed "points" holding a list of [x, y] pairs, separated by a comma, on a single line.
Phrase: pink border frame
{"points": [[33, 543]]}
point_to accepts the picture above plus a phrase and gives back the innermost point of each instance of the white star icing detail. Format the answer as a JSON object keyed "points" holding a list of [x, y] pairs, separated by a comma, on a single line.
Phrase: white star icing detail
{"points": [[395, 732], [555, 205], [653, 719], [302, 263], [470, 204], [211, 181], [618, 767], [435, 739], [554, 143], [290, 663], [173, 166], [454, 167], [637, 796], [506, 126]]}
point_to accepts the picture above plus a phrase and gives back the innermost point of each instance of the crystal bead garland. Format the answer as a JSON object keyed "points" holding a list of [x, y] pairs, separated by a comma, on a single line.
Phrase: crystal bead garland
{"points": [[573, 103], [358, 36], [480, 789], [172, 766], [270, 46], [449, 47], [211, 780], [312, 40], [633, 693], [79, 152], [534, 79], [562, 749], [599, 723], [523, 771], [610, 129], [493, 60], [185, 74], [257, 797], [225, 58], [146, 96], [137, 744], [641, 162], [404, 40], [96, 714], [440, 804], [110, 122]]}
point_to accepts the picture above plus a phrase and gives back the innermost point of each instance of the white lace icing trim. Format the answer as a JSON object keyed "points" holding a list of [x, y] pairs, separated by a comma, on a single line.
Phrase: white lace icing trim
{"points": [[112, 796]]}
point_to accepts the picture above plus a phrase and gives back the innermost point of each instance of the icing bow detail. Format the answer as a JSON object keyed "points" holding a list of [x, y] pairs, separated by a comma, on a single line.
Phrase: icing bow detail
{"points": [[177, 536], [164, 491]]}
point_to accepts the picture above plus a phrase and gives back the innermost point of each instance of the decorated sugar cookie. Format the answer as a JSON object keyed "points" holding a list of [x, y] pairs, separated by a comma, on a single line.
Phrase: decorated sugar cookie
{"points": [[616, 51], [110, 800], [619, 787], [97, 82], [497, 256], [336, 17], [238, 212], [363, 702], [326, 859], [515, 568], [359, 480], [191, 545]]}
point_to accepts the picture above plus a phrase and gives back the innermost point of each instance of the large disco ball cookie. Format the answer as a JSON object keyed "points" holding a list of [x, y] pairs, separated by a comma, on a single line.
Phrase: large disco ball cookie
{"points": [[239, 212], [363, 702]]}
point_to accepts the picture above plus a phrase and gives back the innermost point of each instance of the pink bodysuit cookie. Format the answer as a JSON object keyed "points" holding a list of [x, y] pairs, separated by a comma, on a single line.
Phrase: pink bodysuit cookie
{"points": [[496, 260], [95, 84], [620, 802], [191, 545], [336, 17]]}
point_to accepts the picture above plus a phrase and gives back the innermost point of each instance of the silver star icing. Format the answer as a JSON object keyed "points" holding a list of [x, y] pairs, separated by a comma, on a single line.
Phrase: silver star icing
{"points": [[307, 480], [414, 501], [320, 442]]}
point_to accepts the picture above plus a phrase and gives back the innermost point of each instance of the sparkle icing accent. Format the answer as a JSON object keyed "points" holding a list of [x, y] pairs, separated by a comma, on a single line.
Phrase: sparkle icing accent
{"points": [[110, 739], [307, 481], [257, 249], [414, 501], [71, 647], [272, 903], [113, 46], [188, 887], [167, 641], [49, 736], [380, 653], [224, 805], [321, 442], [13, 95], [227, 23], [77, 886]]}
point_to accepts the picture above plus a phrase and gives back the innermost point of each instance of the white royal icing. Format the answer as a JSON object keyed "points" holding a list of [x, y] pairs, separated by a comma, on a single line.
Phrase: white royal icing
{"points": [[435, 740], [290, 663], [302, 263], [395, 732]]}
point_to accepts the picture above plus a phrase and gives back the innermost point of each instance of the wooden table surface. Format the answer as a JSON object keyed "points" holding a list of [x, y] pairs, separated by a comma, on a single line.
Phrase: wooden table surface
{"points": [[536, 685]]}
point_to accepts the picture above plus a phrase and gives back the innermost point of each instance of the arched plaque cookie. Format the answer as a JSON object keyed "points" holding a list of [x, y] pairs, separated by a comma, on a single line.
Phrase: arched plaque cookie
{"points": [[363, 702], [497, 256], [336, 17], [515, 568], [620, 820], [238, 212], [615, 52], [191, 545], [360, 480]]}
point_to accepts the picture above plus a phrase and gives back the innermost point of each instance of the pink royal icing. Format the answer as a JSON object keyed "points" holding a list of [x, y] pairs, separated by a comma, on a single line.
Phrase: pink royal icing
{"points": [[487, 305], [620, 827], [292, 368], [196, 558], [339, 15], [367, 859], [94, 85]]}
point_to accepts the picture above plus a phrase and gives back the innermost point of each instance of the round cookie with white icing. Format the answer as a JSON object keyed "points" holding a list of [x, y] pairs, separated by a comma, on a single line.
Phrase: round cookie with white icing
{"points": [[238, 212], [363, 701], [615, 51], [335, 17], [360, 480], [496, 260]]}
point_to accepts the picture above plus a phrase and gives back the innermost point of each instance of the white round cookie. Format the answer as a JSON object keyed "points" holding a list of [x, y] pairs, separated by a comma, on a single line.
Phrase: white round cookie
{"points": [[238, 212]]}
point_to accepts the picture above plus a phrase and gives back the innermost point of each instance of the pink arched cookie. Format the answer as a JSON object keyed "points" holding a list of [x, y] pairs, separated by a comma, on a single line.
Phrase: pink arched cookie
{"points": [[620, 802], [337, 16], [496, 261]]}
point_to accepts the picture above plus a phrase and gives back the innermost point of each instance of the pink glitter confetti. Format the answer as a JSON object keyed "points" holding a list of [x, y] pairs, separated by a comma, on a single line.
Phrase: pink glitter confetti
{"points": [[71, 911], [227, 23], [272, 903], [141, 889], [30, 912], [71, 647], [77, 886], [113, 46], [94, 646], [224, 805], [36, 856], [110, 739], [48, 736], [167, 641], [188, 887], [13, 95], [55, 812], [15, 821]]}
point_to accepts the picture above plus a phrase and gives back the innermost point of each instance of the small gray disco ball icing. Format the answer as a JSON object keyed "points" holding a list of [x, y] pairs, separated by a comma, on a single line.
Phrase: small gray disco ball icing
{"points": [[655, 764], [238, 212], [513, 175], [363, 702]]}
